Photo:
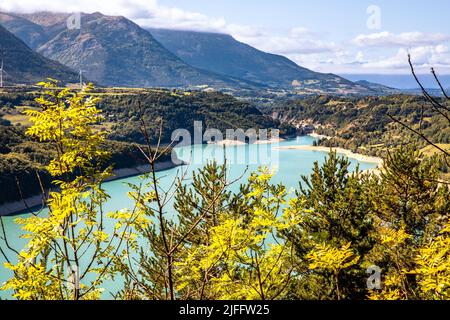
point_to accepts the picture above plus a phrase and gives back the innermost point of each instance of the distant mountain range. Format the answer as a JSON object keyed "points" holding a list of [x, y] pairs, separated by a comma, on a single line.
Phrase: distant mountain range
{"points": [[223, 54], [402, 81], [20, 62], [376, 87], [114, 51]]}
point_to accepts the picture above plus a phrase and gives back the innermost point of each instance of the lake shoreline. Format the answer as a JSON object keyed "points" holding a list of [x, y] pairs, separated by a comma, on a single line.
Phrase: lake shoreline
{"points": [[319, 136], [228, 142], [348, 153], [33, 202], [19, 207]]}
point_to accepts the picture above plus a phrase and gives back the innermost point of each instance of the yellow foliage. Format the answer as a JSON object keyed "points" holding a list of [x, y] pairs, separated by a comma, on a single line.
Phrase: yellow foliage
{"points": [[392, 238], [433, 267], [73, 227], [242, 259], [31, 282], [332, 259], [67, 119]]}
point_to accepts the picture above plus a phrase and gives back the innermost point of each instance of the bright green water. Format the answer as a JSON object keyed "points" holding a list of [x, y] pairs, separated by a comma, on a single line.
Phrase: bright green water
{"points": [[289, 165]]}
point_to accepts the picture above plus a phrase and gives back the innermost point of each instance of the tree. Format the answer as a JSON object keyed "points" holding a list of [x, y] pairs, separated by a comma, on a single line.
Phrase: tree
{"points": [[205, 198], [410, 209], [68, 254], [433, 267], [332, 260], [245, 257], [153, 273], [337, 215]]}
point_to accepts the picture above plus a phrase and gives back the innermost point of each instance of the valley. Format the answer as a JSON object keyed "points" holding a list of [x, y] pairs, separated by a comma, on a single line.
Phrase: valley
{"points": [[359, 125], [22, 159], [209, 152]]}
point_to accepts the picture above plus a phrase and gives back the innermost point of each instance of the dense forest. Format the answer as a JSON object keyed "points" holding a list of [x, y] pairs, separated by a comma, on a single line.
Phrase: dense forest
{"points": [[370, 125], [362, 124], [341, 236], [23, 161], [22, 158], [179, 110]]}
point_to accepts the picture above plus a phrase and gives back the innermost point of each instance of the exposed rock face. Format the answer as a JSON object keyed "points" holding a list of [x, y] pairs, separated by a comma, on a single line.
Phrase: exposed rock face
{"points": [[112, 51], [24, 66]]}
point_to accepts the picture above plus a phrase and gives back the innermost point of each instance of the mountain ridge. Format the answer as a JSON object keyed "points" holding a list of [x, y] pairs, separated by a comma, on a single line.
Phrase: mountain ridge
{"points": [[223, 54], [115, 51], [22, 65]]}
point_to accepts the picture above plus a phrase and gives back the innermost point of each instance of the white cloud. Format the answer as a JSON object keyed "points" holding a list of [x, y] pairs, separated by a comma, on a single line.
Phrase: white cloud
{"points": [[294, 44], [298, 40], [406, 39], [116, 7], [338, 61], [423, 58], [149, 13], [300, 31], [358, 62]]}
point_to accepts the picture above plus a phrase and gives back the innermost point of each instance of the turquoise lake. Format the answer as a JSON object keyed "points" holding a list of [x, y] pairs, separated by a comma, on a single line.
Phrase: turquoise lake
{"points": [[289, 166]]}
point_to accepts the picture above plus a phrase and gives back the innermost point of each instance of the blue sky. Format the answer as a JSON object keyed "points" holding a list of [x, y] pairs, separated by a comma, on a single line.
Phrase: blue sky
{"points": [[324, 35], [340, 18]]}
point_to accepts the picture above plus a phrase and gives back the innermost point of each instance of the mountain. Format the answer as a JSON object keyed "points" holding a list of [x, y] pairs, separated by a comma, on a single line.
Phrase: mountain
{"points": [[221, 53], [381, 89], [32, 34], [112, 51], [24, 66]]}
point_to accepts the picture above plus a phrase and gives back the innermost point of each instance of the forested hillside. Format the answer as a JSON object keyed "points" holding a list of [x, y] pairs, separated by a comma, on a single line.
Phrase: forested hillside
{"points": [[21, 158], [363, 124], [22, 65], [262, 242], [179, 110], [23, 161]]}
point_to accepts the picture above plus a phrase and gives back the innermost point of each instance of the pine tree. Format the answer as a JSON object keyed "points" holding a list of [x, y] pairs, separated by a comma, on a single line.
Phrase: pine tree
{"points": [[410, 209], [338, 215]]}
